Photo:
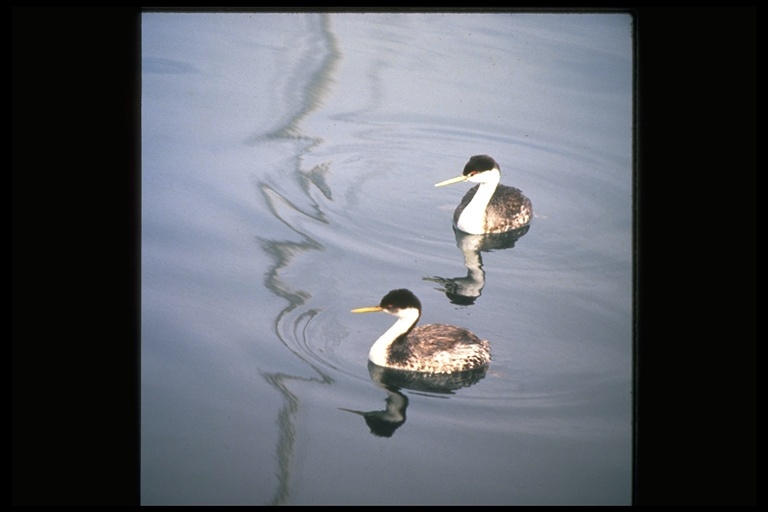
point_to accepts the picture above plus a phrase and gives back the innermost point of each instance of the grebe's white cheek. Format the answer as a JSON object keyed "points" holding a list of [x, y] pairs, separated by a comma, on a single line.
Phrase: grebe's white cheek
{"points": [[411, 314]]}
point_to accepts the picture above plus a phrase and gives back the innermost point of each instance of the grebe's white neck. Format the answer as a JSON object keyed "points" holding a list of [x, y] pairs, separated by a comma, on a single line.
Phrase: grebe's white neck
{"points": [[472, 219], [406, 318]]}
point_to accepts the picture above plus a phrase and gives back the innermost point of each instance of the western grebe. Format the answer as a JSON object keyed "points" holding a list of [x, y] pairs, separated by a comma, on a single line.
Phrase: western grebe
{"points": [[488, 207], [431, 348]]}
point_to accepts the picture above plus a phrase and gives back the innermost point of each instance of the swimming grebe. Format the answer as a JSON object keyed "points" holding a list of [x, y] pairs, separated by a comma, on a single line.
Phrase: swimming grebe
{"points": [[432, 348], [488, 207]]}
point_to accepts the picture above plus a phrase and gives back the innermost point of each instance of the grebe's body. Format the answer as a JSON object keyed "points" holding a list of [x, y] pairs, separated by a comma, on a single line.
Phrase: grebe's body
{"points": [[431, 348], [489, 207]]}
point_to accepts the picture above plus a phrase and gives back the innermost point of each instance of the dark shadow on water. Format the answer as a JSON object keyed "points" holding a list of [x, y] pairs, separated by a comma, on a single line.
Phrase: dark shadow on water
{"points": [[384, 423], [465, 290]]}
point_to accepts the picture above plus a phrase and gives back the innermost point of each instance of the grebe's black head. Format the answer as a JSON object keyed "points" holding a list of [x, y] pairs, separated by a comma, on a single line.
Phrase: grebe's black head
{"points": [[478, 164], [399, 299]]}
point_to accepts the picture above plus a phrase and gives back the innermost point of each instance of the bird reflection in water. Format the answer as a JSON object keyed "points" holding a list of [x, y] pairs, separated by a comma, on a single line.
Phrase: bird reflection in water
{"points": [[465, 290], [384, 423]]}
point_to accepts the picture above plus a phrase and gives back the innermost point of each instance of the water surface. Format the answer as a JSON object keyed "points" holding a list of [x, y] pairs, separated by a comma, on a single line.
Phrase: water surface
{"points": [[288, 164]]}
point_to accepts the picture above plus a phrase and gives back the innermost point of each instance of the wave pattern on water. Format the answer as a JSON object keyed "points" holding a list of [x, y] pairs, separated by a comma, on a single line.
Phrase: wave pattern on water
{"points": [[311, 77]]}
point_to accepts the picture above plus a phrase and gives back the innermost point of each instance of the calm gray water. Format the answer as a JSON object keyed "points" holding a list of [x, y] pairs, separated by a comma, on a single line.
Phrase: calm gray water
{"points": [[288, 164]]}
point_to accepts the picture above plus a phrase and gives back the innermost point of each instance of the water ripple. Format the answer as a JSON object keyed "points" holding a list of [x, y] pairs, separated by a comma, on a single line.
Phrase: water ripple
{"points": [[313, 69]]}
